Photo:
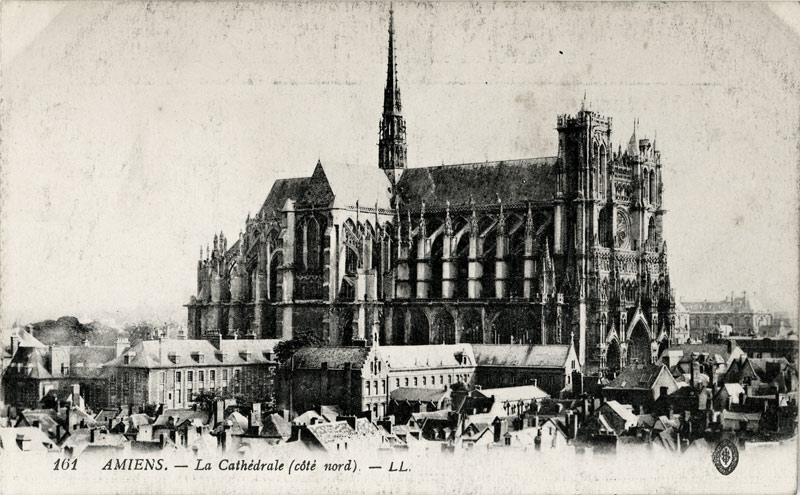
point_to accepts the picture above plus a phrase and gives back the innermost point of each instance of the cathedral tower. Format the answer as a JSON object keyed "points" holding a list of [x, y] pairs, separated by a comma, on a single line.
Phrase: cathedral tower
{"points": [[392, 144]]}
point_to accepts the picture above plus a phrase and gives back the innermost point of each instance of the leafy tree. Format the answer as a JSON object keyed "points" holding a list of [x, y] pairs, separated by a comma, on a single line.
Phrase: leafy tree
{"points": [[285, 349]]}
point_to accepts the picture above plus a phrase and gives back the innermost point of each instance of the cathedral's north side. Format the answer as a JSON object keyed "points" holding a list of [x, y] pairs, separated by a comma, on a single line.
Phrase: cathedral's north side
{"points": [[547, 250]]}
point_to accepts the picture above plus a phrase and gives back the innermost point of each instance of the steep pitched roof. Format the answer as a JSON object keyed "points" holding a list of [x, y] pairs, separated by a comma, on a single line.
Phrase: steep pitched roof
{"points": [[283, 189], [30, 362], [401, 357], [516, 181], [521, 355], [25, 338], [345, 184], [335, 357], [274, 426], [638, 377]]}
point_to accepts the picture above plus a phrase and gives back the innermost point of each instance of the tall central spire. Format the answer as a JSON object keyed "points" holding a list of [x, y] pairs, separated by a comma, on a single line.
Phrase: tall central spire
{"points": [[392, 143]]}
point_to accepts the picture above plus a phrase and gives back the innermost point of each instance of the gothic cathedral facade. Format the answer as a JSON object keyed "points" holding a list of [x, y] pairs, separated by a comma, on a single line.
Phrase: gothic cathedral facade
{"points": [[529, 251]]}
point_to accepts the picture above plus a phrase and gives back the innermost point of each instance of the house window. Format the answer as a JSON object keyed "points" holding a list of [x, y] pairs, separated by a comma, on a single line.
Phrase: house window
{"points": [[375, 386], [189, 395], [212, 375], [397, 383], [224, 374], [433, 380], [190, 376], [449, 379], [441, 379], [201, 375], [368, 389], [177, 377], [178, 396], [383, 386], [573, 364], [415, 381], [424, 381], [508, 440], [406, 381], [127, 359]]}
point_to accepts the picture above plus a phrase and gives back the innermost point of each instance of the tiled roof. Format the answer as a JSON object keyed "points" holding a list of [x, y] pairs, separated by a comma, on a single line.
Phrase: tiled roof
{"points": [[38, 441], [181, 415], [349, 184], [336, 357], [623, 411], [24, 338], [404, 357], [283, 189], [307, 416], [413, 394], [515, 181], [329, 433], [521, 355], [161, 353], [710, 349], [276, 427], [30, 362], [637, 377]]}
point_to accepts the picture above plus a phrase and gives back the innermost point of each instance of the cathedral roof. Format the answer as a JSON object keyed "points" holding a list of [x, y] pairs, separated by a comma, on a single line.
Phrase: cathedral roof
{"points": [[514, 181], [336, 185], [352, 184], [283, 189]]}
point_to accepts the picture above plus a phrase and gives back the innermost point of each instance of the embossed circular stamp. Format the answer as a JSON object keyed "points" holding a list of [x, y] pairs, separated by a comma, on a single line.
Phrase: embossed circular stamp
{"points": [[725, 457]]}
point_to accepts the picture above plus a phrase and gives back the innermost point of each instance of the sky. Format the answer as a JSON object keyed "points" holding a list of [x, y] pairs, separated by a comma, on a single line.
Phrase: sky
{"points": [[132, 132]]}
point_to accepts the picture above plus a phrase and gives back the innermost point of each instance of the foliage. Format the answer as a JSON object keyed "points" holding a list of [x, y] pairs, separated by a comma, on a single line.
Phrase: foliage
{"points": [[285, 349]]}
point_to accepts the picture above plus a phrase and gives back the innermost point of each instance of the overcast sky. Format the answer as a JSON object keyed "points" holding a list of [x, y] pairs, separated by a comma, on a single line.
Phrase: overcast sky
{"points": [[132, 132]]}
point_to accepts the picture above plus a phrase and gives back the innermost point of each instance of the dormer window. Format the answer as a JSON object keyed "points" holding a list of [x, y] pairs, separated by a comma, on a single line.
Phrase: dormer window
{"points": [[174, 358], [126, 359], [223, 356], [246, 355], [199, 357]]}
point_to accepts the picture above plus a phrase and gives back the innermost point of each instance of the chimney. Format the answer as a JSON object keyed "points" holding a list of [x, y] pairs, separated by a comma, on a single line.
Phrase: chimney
{"points": [[121, 345], [92, 435], [297, 433], [498, 429], [14, 344]]}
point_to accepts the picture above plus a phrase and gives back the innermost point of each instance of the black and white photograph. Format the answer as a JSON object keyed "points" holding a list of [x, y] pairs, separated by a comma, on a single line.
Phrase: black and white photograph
{"points": [[399, 247]]}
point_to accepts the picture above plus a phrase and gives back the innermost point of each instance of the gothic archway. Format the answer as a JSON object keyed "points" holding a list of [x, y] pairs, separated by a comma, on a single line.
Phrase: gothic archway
{"points": [[420, 328], [399, 326], [613, 356], [444, 328], [639, 344], [471, 327]]}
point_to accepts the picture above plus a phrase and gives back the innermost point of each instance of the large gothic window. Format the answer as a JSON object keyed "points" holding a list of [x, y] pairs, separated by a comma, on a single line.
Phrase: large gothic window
{"points": [[444, 329], [603, 172], [651, 232], [653, 188], [314, 250], [646, 186], [461, 263], [471, 327]]}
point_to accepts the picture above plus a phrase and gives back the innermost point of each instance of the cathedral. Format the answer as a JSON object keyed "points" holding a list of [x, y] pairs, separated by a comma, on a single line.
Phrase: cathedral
{"points": [[549, 250]]}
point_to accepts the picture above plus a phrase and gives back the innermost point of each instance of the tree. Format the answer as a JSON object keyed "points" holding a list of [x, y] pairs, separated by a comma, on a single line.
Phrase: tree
{"points": [[285, 349]]}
